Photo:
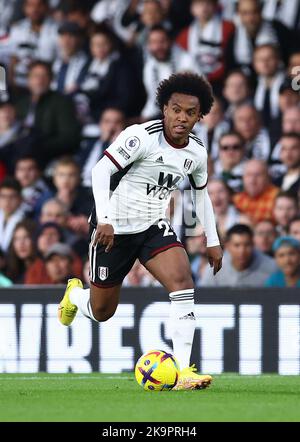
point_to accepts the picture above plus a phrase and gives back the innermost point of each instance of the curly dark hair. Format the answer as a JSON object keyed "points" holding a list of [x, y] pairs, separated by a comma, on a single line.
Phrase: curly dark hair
{"points": [[189, 84]]}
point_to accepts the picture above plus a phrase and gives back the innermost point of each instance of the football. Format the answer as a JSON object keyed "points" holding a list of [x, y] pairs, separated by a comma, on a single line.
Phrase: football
{"points": [[157, 370]]}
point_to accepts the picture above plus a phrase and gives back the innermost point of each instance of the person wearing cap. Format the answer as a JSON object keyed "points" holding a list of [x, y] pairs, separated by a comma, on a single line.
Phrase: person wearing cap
{"points": [[47, 235], [58, 263], [68, 68], [287, 255]]}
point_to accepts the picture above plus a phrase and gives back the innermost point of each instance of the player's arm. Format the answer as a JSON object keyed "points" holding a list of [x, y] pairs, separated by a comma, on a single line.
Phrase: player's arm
{"points": [[101, 174], [123, 151], [205, 214]]}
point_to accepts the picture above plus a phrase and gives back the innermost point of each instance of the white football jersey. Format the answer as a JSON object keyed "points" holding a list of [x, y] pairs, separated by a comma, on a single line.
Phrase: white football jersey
{"points": [[151, 168]]}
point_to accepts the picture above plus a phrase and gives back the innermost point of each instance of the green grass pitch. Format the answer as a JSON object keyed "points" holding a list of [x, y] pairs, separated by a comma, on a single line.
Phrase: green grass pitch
{"points": [[109, 398]]}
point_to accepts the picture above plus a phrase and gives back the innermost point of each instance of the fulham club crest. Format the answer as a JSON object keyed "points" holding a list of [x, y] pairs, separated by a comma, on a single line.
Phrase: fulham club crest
{"points": [[187, 164], [103, 273]]}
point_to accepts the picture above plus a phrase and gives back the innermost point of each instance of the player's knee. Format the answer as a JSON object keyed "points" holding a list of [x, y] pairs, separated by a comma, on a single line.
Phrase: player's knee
{"points": [[102, 314], [182, 281]]}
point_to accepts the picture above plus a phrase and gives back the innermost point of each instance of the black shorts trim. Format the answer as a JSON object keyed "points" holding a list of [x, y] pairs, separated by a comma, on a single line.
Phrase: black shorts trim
{"points": [[163, 249], [106, 286]]}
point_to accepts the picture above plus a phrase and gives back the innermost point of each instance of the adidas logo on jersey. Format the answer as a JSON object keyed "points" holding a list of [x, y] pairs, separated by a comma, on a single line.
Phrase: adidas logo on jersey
{"points": [[160, 160]]}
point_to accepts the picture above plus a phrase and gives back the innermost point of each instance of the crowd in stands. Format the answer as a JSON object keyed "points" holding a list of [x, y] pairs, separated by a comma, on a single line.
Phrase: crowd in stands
{"points": [[79, 72]]}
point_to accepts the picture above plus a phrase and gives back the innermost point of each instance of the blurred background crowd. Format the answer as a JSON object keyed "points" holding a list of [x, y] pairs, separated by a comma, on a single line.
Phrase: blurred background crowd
{"points": [[79, 72]]}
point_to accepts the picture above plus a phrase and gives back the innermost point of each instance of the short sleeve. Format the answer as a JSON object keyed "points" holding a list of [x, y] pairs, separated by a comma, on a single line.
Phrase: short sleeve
{"points": [[198, 178], [128, 147]]}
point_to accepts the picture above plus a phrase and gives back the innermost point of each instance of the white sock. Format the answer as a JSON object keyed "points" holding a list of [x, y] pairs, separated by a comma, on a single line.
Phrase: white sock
{"points": [[81, 298], [183, 323]]}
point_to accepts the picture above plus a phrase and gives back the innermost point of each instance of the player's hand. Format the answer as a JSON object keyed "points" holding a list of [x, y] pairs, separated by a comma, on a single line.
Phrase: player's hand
{"points": [[215, 255], [104, 236]]}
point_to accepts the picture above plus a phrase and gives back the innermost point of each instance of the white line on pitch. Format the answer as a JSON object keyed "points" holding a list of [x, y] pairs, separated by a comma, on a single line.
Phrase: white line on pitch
{"points": [[113, 377], [59, 378]]}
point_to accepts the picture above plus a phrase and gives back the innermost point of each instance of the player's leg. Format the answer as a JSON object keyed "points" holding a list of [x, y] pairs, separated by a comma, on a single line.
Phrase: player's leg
{"points": [[164, 256], [96, 303], [172, 269], [107, 271]]}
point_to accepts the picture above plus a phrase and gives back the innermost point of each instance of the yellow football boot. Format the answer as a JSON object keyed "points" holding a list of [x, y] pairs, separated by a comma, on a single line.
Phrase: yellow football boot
{"points": [[189, 380], [66, 310]]}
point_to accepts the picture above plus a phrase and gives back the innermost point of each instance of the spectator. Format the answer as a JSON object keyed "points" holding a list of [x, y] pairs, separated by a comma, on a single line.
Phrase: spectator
{"points": [[28, 173], [196, 250], [211, 127], [290, 124], [287, 255], [47, 235], [108, 78], [50, 114], [11, 211], [206, 39], [139, 277], [10, 12], [4, 281], [270, 77], [243, 266], [264, 237], [15, 140], [258, 198], [56, 211], [291, 120], [293, 64], [252, 30], [236, 91], [285, 11], [32, 38], [294, 228], [285, 209], [225, 212], [150, 13], [230, 165], [68, 69], [288, 97], [247, 121], [22, 251], [111, 124], [77, 199], [290, 158], [58, 265], [164, 58]]}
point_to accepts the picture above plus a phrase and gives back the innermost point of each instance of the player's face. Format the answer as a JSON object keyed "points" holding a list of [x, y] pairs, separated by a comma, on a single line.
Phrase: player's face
{"points": [[180, 115]]}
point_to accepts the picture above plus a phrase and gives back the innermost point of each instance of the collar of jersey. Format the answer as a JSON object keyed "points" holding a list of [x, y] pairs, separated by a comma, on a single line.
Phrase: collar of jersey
{"points": [[172, 144]]}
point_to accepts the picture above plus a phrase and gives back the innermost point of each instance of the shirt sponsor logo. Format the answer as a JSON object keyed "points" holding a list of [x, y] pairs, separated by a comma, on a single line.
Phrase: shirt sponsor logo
{"points": [[132, 143], [123, 153], [103, 273]]}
